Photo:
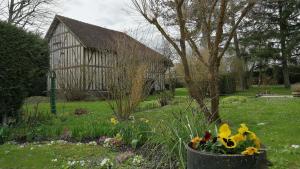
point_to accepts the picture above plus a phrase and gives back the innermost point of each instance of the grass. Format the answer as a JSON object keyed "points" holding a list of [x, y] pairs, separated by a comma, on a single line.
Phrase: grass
{"points": [[42, 156], [276, 121]]}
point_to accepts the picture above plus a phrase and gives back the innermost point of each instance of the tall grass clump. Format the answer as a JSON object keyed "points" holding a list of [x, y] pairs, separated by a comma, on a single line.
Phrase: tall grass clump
{"points": [[33, 115], [135, 133], [166, 148]]}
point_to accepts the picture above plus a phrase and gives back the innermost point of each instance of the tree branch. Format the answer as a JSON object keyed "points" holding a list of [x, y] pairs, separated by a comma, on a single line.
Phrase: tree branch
{"points": [[233, 29], [219, 31]]}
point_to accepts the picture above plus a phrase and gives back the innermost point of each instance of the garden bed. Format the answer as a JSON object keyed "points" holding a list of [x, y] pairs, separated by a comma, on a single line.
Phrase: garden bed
{"points": [[278, 116]]}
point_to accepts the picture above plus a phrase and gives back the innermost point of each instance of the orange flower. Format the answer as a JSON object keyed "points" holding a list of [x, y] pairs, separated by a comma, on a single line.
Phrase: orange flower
{"points": [[250, 151], [195, 142]]}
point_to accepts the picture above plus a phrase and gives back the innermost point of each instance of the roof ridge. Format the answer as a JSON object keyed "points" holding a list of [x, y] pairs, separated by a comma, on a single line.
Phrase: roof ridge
{"points": [[94, 25]]}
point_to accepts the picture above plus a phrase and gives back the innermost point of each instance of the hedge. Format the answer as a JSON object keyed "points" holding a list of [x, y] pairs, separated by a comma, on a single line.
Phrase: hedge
{"points": [[24, 59]]}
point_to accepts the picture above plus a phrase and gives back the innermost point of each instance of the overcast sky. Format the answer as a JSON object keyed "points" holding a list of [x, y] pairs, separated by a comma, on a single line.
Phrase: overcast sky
{"points": [[111, 14]]}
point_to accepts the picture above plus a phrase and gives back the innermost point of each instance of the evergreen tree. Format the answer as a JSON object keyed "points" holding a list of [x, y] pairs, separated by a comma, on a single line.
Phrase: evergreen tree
{"points": [[276, 23], [23, 58]]}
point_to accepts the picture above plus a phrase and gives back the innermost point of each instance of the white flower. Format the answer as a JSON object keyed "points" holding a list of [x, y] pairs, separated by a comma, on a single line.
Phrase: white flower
{"points": [[61, 142], [106, 162], [51, 142], [22, 146], [12, 142], [78, 144], [71, 163], [132, 118], [82, 163], [31, 148], [93, 143], [295, 146], [261, 124], [137, 160], [54, 160], [107, 142]]}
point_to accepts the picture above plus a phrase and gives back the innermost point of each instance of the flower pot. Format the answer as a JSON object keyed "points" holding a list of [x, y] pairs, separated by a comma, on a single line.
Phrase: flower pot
{"points": [[205, 160], [296, 94]]}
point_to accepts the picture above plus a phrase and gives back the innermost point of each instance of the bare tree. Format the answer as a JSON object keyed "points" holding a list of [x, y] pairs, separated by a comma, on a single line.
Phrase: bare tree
{"points": [[195, 23], [27, 13]]}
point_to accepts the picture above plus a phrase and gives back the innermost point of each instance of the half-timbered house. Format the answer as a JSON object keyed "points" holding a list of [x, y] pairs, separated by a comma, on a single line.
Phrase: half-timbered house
{"points": [[82, 54]]}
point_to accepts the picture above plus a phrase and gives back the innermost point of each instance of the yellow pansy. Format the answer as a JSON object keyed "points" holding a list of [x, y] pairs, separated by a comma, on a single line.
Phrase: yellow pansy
{"points": [[238, 137], [252, 136], [224, 136], [114, 121], [255, 139], [250, 151], [243, 129], [224, 131], [257, 143], [227, 142], [195, 142]]}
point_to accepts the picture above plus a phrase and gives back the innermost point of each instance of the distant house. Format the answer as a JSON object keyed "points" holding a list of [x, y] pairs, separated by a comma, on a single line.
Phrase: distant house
{"points": [[82, 54]]}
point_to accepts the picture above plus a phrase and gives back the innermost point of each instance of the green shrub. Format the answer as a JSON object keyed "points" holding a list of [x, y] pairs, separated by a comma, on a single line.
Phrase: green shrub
{"points": [[164, 98], [24, 58], [234, 99], [227, 84], [147, 105], [294, 74], [4, 134]]}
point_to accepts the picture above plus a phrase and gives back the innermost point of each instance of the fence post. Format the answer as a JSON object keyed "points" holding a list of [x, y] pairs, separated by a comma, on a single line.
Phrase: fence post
{"points": [[52, 92]]}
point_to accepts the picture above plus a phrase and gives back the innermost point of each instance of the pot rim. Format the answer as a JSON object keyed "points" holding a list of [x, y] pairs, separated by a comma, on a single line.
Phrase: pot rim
{"points": [[219, 155]]}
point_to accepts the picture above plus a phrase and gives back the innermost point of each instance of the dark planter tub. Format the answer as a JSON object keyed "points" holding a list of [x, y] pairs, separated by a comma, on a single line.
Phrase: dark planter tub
{"points": [[205, 160]]}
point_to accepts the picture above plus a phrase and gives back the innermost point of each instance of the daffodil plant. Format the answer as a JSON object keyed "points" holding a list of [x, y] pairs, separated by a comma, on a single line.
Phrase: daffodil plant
{"points": [[243, 142]]}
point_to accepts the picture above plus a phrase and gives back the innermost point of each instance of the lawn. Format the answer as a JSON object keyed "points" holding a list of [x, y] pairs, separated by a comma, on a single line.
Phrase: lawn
{"points": [[276, 121], [50, 155]]}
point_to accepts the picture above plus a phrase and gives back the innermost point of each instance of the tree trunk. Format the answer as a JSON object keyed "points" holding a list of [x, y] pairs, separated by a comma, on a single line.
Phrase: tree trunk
{"points": [[283, 33], [214, 94], [197, 94], [11, 11], [195, 90], [242, 72], [260, 78], [4, 119], [286, 74]]}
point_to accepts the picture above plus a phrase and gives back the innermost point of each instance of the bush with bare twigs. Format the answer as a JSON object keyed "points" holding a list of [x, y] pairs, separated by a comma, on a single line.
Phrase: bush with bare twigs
{"points": [[126, 94], [131, 77]]}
